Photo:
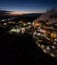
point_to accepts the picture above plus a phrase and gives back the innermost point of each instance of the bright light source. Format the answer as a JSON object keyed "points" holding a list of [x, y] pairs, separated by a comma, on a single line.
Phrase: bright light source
{"points": [[15, 30], [29, 26], [48, 48], [41, 30], [55, 43], [42, 46], [44, 51], [38, 34], [24, 24], [55, 40], [22, 30], [52, 55], [39, 45], [53, 47], [3, 20], [5, 23], [29, 23]]}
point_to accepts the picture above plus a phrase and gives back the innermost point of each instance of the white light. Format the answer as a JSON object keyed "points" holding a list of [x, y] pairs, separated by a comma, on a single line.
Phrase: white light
{"points": [[52, 55], [33, 23], [53, 47], [41, 30], [29, 26], [35, 33], [39, 45], [44, 51], [15, 30], [38, 34], [55, 43], [3, 20], [12, 30], [8, 19], [22, 30], [42, 46], [55, 39], [29, 23], [5, 23], [24, 24], [48, 48]]}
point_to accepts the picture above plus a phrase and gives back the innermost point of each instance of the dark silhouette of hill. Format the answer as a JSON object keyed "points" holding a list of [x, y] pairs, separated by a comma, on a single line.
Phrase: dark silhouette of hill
{"points": [[4, 12]]}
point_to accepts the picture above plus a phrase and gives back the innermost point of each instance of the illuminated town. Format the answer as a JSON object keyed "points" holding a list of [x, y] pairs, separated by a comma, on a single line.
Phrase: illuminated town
{"points": [[28, 32], [43, 29]]}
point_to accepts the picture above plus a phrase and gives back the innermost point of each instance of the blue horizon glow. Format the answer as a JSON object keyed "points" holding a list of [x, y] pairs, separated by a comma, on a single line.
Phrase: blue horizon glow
{"points": [[28, 5]]}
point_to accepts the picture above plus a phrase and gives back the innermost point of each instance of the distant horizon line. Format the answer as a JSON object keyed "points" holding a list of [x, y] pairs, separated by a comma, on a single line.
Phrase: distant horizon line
{"points": [[13, 12], [23, 11]]}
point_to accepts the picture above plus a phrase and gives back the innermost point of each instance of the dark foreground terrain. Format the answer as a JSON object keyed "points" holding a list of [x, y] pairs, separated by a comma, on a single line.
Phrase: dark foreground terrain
{"points": [[22, 50]]}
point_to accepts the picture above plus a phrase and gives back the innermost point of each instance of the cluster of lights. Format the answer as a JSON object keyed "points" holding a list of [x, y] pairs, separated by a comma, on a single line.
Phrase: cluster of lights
{"points": [[22, 28], [36, 34], [17, 30], [48, 49]]}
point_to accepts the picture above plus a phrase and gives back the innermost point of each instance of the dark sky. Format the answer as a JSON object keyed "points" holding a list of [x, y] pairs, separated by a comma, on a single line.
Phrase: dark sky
{"points": [[28, 5]]}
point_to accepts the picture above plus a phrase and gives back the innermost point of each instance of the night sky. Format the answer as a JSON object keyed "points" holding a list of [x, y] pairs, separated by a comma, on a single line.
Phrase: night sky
{"points": [[24, 6]]}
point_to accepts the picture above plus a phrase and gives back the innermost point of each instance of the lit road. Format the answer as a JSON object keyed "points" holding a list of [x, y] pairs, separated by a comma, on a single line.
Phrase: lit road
{"points": [[44, 43]]}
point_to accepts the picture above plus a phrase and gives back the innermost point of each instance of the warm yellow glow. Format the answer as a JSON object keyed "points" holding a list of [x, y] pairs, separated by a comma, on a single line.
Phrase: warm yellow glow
{"points": [[18, 12], [15, 13], [36, 24], [11, 22], [23, 12], [53, 35]]}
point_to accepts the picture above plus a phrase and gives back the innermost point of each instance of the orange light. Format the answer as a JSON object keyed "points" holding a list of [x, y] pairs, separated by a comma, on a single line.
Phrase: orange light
{"points": [[53, 35], [37, 25]]}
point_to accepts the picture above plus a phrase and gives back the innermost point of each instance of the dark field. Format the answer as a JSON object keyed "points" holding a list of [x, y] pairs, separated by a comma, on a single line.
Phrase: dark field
{"points": [[21, 50]]}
